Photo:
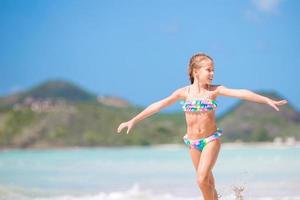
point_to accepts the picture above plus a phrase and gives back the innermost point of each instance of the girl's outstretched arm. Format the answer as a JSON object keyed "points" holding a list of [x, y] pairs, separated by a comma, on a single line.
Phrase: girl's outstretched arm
{"points": [[250, 96], [151, 109]]}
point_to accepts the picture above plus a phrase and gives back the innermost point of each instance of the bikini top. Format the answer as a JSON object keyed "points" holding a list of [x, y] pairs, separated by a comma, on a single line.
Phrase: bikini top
{"points": [[198, 105]]}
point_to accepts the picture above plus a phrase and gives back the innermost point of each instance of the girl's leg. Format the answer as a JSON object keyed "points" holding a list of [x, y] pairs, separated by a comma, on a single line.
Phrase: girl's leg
{"points": [[212, 182], [207, 161], [195, 156]]}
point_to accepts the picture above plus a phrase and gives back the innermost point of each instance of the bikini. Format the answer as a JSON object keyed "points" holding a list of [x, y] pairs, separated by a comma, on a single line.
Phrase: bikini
{"points": [[205, 104]]}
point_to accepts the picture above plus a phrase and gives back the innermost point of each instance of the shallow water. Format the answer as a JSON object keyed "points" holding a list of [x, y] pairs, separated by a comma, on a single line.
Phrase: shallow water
{"points": [[164, 172]]}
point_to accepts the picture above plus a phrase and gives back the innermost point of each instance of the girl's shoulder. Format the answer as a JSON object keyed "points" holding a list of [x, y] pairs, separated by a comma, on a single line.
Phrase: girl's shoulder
{"points": [[214, 89], [185, 89], [181, 92]]}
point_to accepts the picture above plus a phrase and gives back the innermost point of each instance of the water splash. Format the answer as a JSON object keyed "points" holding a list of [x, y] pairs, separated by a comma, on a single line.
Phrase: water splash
{"points": [[238, 192]]}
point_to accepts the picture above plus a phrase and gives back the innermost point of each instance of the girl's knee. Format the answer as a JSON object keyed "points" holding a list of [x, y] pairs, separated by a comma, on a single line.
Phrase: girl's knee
{"points": [[211, 179], [203, 180]]}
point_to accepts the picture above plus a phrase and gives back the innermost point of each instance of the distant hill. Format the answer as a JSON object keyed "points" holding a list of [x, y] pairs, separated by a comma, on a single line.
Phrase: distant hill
{"points": [[113, 101], [54, 90], [60, 89], [248, 121], [60, 114]]}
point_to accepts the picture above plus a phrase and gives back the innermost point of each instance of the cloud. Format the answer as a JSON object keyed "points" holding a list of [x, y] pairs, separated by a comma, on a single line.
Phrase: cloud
{"points": [[261, 9], [267, 6]]}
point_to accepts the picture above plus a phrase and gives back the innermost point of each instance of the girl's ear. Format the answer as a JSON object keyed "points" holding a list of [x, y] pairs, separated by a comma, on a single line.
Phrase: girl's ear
{"points": [[195, 71]]}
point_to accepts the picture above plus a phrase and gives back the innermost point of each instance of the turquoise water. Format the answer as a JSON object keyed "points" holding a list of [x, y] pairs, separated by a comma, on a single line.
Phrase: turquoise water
{"points": [[146, 173]]}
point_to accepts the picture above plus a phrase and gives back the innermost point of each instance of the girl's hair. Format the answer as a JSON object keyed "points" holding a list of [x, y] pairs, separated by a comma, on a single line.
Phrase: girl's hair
{"points": [[195, 61]]}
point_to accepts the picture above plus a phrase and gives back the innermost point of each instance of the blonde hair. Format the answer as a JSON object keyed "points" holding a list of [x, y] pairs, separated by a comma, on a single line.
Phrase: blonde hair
{"points": [[195, 61]]}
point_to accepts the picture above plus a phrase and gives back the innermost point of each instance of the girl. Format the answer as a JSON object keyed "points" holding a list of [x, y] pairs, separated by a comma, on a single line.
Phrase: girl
{"points": [[202, 134]]}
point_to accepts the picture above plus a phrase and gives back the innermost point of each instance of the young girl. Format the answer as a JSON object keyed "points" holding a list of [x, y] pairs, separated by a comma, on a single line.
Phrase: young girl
{"points": [[202, 134]]}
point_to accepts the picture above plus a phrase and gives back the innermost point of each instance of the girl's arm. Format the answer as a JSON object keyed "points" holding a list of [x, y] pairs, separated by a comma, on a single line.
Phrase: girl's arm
{"points": [[250, 96], [151, 109]]}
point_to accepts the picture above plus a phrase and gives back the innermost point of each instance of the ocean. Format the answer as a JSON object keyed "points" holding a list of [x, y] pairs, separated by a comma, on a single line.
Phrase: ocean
{"points": [[165, 172]]}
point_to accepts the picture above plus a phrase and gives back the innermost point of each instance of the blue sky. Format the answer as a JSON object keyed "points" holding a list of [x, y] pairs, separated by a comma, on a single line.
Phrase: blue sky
{"points": [[139, 50]]}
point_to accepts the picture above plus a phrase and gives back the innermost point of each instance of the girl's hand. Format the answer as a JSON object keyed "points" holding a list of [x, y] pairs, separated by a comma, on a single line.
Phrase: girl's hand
{"points": [[274, 104], [128, 124]]}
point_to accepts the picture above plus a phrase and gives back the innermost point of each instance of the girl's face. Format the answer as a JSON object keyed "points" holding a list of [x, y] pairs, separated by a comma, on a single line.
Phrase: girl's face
{"points": [[205, 73]]}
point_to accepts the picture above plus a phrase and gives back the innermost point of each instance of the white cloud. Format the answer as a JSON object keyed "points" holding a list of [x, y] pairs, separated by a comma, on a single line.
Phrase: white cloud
{"points": [[262, 8], [267, 6]]}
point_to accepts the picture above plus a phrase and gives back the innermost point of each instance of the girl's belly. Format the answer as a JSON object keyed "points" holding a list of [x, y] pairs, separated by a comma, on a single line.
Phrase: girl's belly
{"points": [[200, 126]]}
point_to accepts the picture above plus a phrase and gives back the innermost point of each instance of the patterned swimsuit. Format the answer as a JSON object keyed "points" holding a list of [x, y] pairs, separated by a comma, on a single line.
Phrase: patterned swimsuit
{"points": [[205, 104]]}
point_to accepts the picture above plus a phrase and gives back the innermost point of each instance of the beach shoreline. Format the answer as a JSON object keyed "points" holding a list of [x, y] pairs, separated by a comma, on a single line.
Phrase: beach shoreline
{"points": [[295, 144]]}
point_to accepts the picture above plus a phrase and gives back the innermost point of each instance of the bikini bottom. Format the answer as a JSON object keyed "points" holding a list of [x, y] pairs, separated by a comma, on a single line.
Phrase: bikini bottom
{"points": [[202, 142]]}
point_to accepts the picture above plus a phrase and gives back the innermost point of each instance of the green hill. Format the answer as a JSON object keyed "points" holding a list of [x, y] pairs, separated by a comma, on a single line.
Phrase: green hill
{"points": [[49, 115], [61, 114], [53, 89], [248, 121]]}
